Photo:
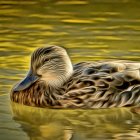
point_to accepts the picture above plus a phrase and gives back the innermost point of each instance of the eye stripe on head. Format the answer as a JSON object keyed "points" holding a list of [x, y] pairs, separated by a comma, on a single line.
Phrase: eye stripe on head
{"points": [[47, 51], [42, 51], [45, 54]]}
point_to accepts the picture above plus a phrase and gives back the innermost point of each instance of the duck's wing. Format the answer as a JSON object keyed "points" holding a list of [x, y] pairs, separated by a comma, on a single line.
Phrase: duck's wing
{"points": [[103, 85]]}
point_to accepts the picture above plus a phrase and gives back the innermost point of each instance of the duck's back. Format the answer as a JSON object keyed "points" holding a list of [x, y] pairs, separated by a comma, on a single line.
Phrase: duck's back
{"points": [[103, 85]]}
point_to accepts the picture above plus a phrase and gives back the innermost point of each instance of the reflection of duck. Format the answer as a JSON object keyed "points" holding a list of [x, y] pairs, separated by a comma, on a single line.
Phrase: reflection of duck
{"points": [[42, 124], [53, 82]]}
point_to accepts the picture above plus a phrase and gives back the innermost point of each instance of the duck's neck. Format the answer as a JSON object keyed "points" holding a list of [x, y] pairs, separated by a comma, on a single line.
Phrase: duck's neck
{"points": [[57, 80]]}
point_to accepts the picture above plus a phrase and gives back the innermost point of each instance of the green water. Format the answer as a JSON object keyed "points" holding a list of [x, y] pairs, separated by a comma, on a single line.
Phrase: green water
{"points": [[90, 30]]}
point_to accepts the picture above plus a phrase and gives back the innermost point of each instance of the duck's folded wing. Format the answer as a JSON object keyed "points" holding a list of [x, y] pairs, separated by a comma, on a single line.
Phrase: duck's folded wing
{"points": [[103, 85]]}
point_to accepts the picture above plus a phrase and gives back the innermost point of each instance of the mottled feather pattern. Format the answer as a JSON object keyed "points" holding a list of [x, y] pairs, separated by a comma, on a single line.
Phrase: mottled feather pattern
{"points": [[105, 85], [92, 85]]}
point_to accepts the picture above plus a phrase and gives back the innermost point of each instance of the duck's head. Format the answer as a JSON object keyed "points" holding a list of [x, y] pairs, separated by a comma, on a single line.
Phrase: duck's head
{"points": [[50, 65]]}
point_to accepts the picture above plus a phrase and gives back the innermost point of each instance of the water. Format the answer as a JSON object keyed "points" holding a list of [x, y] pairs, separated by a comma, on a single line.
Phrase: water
{"points": [[90, 30]]}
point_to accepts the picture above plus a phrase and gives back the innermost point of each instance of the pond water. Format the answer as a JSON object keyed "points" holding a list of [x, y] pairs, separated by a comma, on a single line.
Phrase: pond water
{"points": [[90, 30]]}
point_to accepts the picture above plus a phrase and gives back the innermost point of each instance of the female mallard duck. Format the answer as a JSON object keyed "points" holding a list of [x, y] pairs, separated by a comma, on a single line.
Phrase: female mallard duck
{"points": [[54, 82]]}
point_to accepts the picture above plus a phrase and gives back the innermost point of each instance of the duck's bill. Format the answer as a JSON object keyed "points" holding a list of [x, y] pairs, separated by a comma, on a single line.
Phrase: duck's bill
{"points": [[26, 82]]}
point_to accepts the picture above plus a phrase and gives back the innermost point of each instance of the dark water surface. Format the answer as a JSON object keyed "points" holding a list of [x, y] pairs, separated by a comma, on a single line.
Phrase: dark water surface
{"points": [[90, 30]]}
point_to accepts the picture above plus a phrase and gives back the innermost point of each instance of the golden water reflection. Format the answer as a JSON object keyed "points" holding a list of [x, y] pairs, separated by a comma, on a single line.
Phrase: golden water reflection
{"points": [[77, 124]]}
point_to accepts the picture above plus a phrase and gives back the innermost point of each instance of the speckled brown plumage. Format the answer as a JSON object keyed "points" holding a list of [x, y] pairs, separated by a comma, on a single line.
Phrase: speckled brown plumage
{"points": [[92, 85]]}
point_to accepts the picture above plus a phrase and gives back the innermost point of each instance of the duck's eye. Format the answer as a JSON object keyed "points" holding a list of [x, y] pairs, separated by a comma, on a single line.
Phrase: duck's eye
{"points": [[46, 60]]}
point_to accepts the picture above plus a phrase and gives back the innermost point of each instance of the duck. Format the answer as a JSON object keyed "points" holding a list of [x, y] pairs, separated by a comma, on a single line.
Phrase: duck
{"points": [[54, 82]]}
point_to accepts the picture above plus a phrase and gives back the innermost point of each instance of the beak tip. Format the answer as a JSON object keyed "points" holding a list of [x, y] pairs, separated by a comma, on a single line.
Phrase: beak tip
{"points": [[16, 88], [25, 83]]}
